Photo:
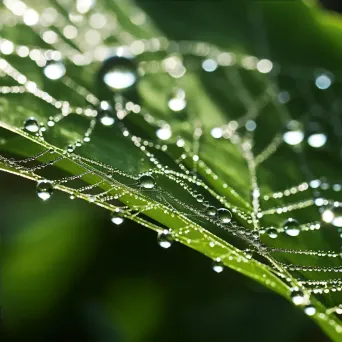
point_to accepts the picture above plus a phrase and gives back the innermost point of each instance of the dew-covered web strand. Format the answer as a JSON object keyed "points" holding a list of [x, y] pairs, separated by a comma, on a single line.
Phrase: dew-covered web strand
{"points": [[246, 150]]}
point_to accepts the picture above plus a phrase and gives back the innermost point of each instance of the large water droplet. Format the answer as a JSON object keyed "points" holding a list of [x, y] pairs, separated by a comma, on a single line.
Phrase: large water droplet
{"points": [[323, 81], [54, 71], [218, 266], [147, 182], [164, 133], [177, 101], [116, 217], [291, 227], [310, 310], [317, 140], [31, 125], [297, 297], [211, 211], [333, 215], [119, 73], [294, 134], [106, 118], [165, 239], [44, 189], [224, 215], [272, 232]]}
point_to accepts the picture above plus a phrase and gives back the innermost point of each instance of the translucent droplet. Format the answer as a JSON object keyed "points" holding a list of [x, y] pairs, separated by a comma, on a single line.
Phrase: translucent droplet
{"points": [[248, 254], [297, 297], [216, 132], [31, 125], [165, 239], [211, 211], [177, 101], [323, 81], [333, 215], [147, 182], [310, 310], [164, 133], [54, 71], [106, 118], [209, 65], [294, 135], [116, 217], [317, 140], [119, 73], [272, 232], [224, 215], [250, 125], [218, 267], [44, 189], [291, 227]]}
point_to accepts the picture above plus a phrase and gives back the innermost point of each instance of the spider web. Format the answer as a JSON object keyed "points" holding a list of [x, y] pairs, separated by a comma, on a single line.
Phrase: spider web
{"points": [[175, 149]]}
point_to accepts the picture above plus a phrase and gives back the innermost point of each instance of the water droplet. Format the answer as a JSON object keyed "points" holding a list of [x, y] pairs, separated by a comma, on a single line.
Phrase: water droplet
{"points": [[218, 266], [333, 215], [216, 132], [310, 310], [147, 182], [248, 254], [224, 215], [31, 125], [116, 217], [291, 227], [177, 101], [106, 118], [209, 65], [317, 140], [250, 125], [294, 134], [165, 239], [119, 73], [323, 81], [272, 233], [44, 189], [164, 133], [54, 71], [211, 211], [297, 297]]}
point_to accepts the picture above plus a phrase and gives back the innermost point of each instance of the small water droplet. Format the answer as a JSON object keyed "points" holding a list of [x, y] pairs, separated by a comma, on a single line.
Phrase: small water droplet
{"points": [[218, 267], [106, 118], [177, 101], [323, 81], [333, 215], [317, 140], [165, 239], [54, 71], [272, 232], [297, 297], [248, 254], [291, 227], [209, 65], [119, 73], [310, 310], [116, 217], [44, 189], [147, 182], [164, 133], [224, 215], [294, 134], [211, 211], [31, 125]]}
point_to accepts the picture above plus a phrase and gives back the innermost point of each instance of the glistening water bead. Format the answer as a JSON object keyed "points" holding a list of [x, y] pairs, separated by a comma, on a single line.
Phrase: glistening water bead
{"points": [[297, 297], [147, 182], [177, 100], [291, 227], [333, 215], [310, 310], [44, 189], [211, 211], [272, 233], [106, 118], [31, 125], [165, 239], [116, 218], [224, 215], [218, 266], [119, 73]]}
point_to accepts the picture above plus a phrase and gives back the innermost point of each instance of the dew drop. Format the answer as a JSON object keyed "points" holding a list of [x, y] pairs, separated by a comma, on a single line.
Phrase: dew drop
{"points": [[44, 189], [248, 254], [291, 227], [333, 215], [164, 133], [119, 73], [116, 217], [218, 266], [177, 101], [294, 134], [54, 71], [317, 140], [224, 215], [147, 182], [165, 239], [209, 65], [211, 211], [323, 81], [106, 118], [31, 125], [297, 297], [310, 310], [272, 233]]}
